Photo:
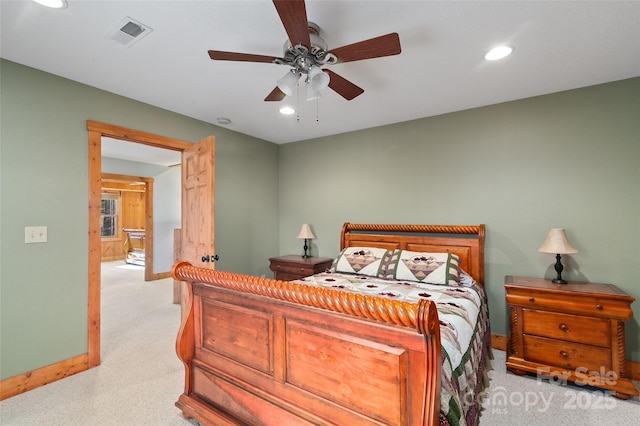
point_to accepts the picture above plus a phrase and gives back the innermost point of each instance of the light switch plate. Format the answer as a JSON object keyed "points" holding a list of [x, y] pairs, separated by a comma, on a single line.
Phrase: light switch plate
{"points": [[35, 234]]}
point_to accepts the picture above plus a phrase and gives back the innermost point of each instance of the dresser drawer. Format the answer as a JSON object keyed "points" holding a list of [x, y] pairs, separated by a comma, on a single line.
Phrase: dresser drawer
{"points": [[566, 355], [574, 328]]}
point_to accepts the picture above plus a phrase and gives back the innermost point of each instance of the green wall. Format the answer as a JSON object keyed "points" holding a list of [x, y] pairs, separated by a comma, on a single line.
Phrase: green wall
{"points": [[569, 159], [44, 182]]}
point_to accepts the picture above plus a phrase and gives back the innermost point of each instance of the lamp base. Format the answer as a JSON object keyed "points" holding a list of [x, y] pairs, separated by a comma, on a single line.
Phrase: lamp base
{"points": [[558, 267]]}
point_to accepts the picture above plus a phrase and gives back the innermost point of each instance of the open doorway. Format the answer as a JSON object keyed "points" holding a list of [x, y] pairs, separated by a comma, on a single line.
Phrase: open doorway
{"points": [[98, 131], [146, 182]]}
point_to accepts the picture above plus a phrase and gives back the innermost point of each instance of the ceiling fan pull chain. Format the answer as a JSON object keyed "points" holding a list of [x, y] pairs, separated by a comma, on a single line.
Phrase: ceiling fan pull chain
{"points": [[298, 104]]}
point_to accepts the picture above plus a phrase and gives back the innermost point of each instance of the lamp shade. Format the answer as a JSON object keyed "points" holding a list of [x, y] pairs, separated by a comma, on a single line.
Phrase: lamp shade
{"points": [[306, 233], [318, 79], [311, 94], [288, 83], [557, 243]]}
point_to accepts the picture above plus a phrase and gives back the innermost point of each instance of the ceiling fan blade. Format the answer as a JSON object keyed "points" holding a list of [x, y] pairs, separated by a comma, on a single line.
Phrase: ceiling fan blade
{"points": [[219, 55], [376, 47], [342, 86], [275, 95], [293, 14]]}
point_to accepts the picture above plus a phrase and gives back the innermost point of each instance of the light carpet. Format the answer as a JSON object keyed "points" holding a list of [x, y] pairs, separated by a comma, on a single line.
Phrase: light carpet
{"points": [[140, 377]]}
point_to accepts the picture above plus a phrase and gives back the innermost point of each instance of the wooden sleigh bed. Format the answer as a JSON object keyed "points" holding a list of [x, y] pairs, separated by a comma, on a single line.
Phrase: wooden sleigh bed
{"points": [[258, 351]]}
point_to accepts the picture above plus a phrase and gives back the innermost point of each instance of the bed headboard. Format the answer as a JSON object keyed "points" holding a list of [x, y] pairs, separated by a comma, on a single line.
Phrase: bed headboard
{"points": [[467, 241]]}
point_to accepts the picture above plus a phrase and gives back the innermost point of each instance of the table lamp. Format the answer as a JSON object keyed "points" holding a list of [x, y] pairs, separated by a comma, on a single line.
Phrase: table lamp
{"points": [[557, 242], [306, 234]]}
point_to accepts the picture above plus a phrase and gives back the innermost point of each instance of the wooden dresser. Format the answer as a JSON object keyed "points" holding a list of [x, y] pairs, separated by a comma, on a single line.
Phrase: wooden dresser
{"points": [[571, 332], [288, 268]]}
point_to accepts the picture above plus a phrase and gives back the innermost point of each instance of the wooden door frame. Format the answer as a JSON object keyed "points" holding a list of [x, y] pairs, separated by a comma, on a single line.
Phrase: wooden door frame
{"points": [[96, 131]]}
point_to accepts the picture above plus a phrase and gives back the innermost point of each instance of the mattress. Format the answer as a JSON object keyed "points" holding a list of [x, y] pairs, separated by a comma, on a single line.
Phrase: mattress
{"points": [[464, 330]]}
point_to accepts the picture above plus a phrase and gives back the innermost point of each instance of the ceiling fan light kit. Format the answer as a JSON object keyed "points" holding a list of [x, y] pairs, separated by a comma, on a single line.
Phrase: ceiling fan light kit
{"points": [[305, 52]]}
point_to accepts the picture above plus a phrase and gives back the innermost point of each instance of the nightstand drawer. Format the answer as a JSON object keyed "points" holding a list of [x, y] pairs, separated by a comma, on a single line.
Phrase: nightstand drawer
{"points": [[567, 355], [574, 328], [286, 277], [288, 268], [298, 270], [585, 305]]}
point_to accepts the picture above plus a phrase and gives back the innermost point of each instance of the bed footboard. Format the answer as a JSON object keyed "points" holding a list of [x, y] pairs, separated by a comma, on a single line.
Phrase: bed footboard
{"points": [[258, 351]]}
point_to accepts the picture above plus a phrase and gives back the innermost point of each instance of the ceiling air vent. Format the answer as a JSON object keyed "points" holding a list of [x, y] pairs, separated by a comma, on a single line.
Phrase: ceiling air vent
{"points": [[128, 32]]}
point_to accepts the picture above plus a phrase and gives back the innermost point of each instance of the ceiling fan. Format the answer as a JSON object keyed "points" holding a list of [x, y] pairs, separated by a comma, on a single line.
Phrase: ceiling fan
{"points": [[306, 53]]}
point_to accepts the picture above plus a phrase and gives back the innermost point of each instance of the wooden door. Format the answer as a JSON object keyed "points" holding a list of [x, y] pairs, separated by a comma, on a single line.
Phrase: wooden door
{"points": [[198, 185]]}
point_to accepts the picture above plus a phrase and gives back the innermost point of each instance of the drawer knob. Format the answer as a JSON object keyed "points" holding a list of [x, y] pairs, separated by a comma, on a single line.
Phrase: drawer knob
{"points": [[532, 299], [599, 307], [564, 327], [564, 355], [301, 269]]}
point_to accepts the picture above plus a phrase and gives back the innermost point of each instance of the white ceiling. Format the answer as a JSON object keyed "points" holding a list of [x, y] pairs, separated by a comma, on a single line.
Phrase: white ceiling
{"points": [[559, 45], [123, 150]]}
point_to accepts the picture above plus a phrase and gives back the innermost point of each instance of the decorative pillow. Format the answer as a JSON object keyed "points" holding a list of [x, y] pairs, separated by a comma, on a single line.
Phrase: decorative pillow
{"points": [[370, 261], [430, 268]]}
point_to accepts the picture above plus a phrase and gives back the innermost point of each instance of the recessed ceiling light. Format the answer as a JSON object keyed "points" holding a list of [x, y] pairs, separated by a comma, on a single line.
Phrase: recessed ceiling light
{"points": [[287, 110], [498, 53], [223, 121], [55, 4]]}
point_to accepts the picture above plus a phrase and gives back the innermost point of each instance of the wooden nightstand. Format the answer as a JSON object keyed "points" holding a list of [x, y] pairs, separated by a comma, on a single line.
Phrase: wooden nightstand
{"points": [[572, 332], [288, 268]]}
